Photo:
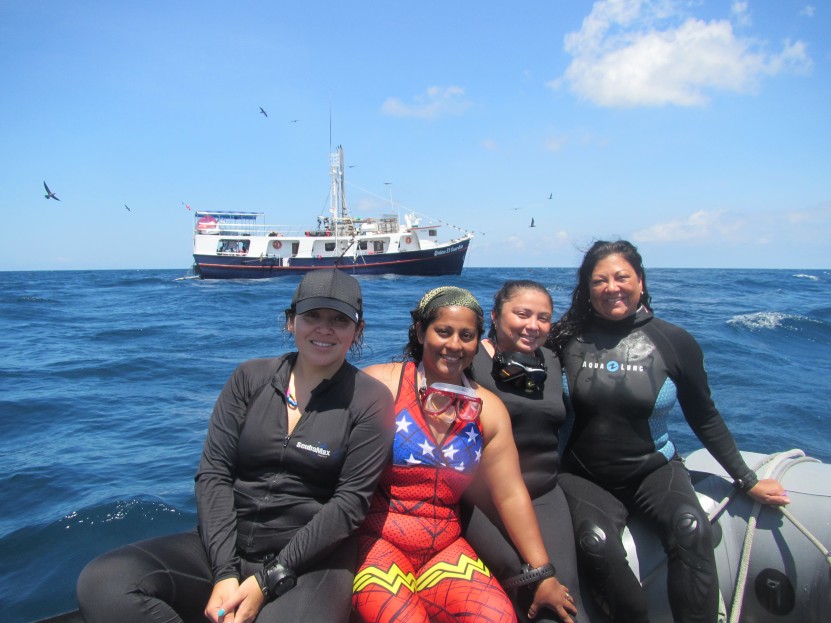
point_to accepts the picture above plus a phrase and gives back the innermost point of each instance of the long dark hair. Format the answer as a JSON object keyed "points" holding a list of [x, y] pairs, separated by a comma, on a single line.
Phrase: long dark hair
{"points": [[573, 321], [510, 289]]}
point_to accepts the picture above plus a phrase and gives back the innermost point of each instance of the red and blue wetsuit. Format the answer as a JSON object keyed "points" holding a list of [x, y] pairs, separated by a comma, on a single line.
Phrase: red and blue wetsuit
{"points": [[414, 565]]}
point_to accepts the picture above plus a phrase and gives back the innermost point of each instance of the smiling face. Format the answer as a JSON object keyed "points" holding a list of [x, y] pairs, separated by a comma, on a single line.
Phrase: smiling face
{"points": [[615, 288], [449, 342], [323, 337], [524, 321]]}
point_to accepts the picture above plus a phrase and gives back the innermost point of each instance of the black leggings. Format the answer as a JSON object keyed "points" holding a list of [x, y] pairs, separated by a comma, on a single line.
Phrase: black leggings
{"points": [[666, 500], [168, 580], [490, 540]]}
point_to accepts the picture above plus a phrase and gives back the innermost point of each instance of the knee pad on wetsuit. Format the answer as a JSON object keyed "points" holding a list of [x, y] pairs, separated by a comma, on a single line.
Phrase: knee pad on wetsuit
{"points": [[692, 537], [592, 542]]}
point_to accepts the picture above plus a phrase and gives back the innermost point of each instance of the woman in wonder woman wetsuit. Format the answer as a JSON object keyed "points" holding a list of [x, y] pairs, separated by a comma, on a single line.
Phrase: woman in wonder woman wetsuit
{"points": [[624, 369], [414, 565]]}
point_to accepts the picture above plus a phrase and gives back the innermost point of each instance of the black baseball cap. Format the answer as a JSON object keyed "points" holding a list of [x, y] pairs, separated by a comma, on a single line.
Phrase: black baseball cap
{"points": [[329, 288]]}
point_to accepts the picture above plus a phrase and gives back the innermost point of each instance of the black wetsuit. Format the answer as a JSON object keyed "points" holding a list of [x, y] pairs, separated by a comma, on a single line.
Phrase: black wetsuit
{"points": [[621, 380], [262, 492], [535, 419]]}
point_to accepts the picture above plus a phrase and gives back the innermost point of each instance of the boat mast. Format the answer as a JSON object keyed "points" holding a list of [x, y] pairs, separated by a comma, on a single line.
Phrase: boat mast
{"points": [[337, 202]]}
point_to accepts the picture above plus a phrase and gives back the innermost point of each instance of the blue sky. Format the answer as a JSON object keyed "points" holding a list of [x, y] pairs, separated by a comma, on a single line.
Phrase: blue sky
{"points": [[699, 130]]}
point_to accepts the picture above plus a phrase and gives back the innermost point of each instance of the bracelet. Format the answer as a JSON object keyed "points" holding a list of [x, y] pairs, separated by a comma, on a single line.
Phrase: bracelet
{"points": [[530, 576]]}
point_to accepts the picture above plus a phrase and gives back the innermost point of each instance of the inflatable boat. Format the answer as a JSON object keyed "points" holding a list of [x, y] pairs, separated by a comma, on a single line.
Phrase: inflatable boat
{"points": [[773, 564]]}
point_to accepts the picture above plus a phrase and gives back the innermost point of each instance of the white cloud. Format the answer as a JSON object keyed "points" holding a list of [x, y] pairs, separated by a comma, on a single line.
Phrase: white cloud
{"points": [[741, 12], [435, 102], [640, 53], [807, 11], [725, 227], [701, 225]]}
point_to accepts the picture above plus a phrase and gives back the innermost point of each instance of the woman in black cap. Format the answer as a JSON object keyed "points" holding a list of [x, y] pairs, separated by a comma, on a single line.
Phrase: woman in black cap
{"points": [[294, 450]]}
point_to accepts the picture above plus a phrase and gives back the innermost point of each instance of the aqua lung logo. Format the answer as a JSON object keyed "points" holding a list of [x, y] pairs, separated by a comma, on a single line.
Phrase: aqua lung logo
{"points": [[612, 366]]}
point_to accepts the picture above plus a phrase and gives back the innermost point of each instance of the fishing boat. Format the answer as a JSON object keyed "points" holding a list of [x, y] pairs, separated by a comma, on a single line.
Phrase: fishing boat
{"points": [[239, 245], [773, 563]]}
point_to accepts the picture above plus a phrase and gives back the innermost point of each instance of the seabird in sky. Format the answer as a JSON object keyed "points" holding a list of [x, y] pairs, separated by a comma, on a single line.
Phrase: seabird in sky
{"points": [[265, 114], [532, 222], [128, 209], [294, 120], [49, 194], [516, 208], [551, 196]]}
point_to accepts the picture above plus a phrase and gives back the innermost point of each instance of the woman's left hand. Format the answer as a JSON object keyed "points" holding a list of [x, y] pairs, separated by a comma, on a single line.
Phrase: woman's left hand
{"points": [[554, 595], [769, 491], [245, 604]]}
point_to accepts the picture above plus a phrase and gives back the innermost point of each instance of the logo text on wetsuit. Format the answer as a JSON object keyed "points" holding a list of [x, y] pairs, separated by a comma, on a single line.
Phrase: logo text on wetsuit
{"points": [[315, 449], [612, 366]]}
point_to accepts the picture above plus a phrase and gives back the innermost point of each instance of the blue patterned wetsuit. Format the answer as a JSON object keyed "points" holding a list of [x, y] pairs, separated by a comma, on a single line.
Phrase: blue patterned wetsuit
{"points": [[621, 380]]}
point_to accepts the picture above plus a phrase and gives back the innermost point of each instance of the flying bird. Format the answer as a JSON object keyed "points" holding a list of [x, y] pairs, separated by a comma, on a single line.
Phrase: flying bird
{"points": [[49, 194], [294, 120], [551, 196], [128, 209], [265, 114], [532, 222], [515, 208]]}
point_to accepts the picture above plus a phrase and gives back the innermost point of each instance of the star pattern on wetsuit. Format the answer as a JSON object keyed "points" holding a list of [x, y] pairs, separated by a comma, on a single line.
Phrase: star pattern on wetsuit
{"points": [[462, 448]]}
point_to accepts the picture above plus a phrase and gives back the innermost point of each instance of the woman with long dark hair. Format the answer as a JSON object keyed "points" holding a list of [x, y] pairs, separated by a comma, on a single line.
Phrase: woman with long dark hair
{"points": [[624, 371]]}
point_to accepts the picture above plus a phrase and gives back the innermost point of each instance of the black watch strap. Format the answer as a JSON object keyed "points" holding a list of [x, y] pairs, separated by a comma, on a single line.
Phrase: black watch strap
{"points": [[747, 482], [275, 580], [530, 576]]}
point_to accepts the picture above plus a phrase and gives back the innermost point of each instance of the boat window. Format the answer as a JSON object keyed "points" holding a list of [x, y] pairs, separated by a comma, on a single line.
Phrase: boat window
{"points": [[225, 246], [329, 246], [378, 246], [433, 232], [295, 247], [362, 245]]}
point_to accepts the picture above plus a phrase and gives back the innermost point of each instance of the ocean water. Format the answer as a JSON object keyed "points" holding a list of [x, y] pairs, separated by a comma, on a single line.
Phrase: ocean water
{"points": [[108, 378]]}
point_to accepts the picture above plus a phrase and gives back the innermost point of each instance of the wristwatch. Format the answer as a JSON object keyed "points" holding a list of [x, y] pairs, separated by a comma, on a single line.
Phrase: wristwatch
{"points": [[530, 575], [275, 580], [747, 482]]}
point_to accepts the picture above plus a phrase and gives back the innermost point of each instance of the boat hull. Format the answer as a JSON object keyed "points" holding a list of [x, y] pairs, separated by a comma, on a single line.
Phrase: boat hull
{"points": [[445, 260]]}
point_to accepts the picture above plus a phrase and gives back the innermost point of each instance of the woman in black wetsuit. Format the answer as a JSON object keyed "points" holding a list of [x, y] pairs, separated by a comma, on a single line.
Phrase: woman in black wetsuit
{"points": [[295, 448], [624, 369], [512, 363]]}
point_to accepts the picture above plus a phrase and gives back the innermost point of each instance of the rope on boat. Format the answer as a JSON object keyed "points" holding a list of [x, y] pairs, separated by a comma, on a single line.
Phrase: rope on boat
{"points": [[777, 468]]}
